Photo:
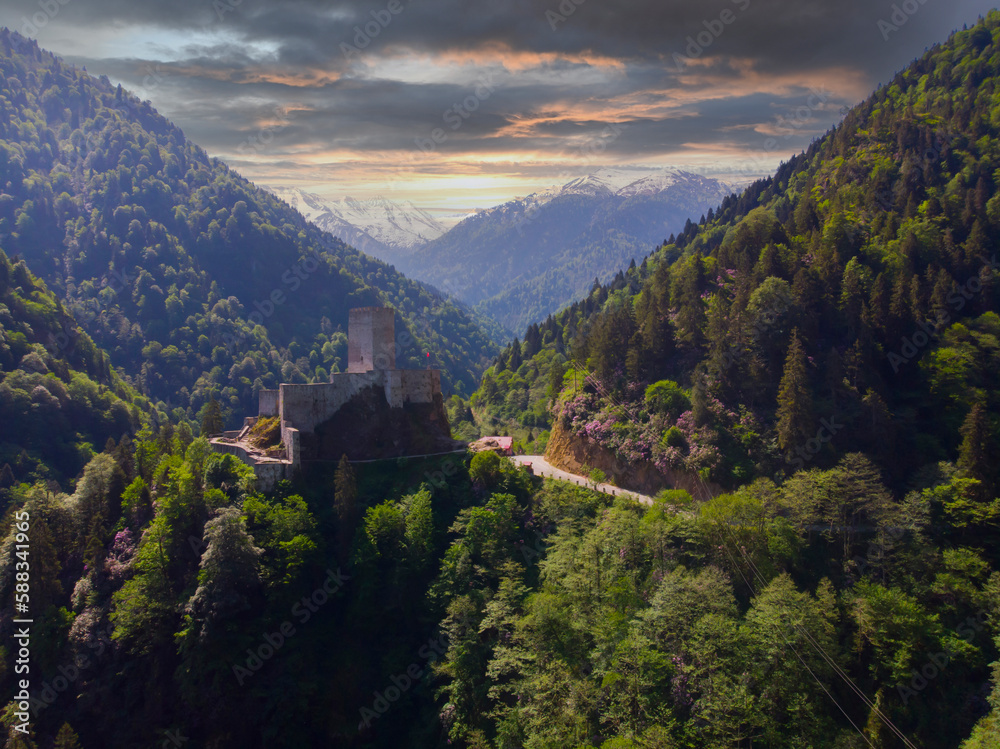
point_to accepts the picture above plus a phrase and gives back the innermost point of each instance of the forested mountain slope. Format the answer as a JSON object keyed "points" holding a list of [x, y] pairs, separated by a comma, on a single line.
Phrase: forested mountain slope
{"points": [[527, 258], [844, 593], [848, 303], [193, 279], [60, 399]]}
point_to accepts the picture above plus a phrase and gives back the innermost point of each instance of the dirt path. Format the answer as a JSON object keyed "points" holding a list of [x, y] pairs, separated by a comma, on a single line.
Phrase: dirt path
{"points": [[542, 467]]}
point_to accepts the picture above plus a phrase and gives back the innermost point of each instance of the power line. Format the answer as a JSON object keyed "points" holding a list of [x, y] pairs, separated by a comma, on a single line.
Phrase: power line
{"points": [[812, 642]]}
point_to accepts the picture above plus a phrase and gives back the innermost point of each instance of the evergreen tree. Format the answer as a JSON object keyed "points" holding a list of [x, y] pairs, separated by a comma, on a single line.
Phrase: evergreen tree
{"points": [[689, 285], [67, 738], [345, 489], [515, 360], [976, 454], [699, 398], [211, 418], [795, 408]]}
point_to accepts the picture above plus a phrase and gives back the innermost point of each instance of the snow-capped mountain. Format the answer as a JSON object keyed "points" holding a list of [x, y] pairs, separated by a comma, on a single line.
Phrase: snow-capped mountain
{"points": [[528, 257], [626, 183], [380, 227]]}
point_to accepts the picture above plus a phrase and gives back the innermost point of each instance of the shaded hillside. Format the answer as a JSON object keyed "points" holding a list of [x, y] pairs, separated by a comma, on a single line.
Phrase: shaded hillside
{"points": [[194, 280], [60, 399], [848, 303], [528, 258]]}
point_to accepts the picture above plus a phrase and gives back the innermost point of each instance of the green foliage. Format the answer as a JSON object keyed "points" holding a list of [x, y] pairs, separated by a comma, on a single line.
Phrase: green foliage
{"points": [[795, 417], [557, 616], [667, 397], [54, 385], [196, 282], [485, 468], [265, 433], [847, 303], [229, 571], [67, 738], [286, 530], [211, 418]]}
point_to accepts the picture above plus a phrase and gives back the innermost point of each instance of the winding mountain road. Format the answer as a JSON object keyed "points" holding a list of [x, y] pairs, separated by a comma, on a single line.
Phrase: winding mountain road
{"points": [[542, 467]]}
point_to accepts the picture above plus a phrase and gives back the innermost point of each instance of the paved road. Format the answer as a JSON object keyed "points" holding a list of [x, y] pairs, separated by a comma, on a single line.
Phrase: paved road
{"points": [[542, 467]]}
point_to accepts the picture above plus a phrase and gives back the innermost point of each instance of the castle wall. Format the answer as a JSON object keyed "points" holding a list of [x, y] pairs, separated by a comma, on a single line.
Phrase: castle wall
{"points": [[394, 388], [303, 408], [267, 473], [293, 446], [306, 406], [371, 339], [420, 385], [267, 403]]}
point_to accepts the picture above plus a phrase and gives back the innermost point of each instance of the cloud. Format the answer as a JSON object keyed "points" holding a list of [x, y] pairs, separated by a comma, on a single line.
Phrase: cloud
{"points": [[341, 86]]}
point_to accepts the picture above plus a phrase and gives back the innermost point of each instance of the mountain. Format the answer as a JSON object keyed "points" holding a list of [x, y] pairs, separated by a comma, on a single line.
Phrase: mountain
{"points": [[816, 362], [60, 398], [379, 227], [530, 257], [821, 354], [848, 303], [195, 281]]}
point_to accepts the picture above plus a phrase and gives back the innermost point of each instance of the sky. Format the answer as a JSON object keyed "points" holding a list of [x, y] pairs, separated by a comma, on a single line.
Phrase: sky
{"points": [[462, 105]]}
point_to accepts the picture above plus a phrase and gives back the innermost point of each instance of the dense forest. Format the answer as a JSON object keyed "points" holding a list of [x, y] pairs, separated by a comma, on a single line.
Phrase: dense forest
{"points": [[822, 349], [60, 399], [195, 281], [857, 288]]}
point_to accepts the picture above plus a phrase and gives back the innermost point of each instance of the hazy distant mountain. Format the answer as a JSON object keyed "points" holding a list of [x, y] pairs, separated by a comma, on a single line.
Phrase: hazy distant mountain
{"points": [[195, 281], [379, 227], [526, 258]]}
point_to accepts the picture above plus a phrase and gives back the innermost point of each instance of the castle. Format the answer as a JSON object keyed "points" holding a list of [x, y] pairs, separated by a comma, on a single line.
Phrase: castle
{"points": [[371, 411]]}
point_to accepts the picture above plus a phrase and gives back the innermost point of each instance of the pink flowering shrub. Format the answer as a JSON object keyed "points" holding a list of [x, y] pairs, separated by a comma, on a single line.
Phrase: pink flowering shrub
{"points": [[628, 429], [119, 561]]}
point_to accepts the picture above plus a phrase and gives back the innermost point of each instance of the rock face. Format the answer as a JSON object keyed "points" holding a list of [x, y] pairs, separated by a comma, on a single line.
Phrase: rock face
{"points": [[572, 453], [367, 428]]}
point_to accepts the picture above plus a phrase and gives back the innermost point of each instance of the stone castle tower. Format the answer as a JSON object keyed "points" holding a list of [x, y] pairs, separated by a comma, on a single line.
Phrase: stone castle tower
{"points": [[371, 411], [371, 342]]}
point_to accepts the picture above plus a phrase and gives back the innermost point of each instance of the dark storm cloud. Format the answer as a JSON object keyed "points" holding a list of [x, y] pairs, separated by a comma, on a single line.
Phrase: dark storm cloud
{"points": [[779, 33], [734, 77]]}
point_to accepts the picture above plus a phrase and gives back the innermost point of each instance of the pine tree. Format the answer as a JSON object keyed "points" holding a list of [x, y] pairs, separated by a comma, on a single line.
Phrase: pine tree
{"points": [[345, 487], [795, 408], [515, 356], [699, 398], [66, 738], [211, 418], [975, 454], [6, 476], [689, 285]]}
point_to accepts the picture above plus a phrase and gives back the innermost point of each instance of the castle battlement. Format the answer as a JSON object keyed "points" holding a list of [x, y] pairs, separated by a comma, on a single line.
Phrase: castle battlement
{"points": [[372, 386]]}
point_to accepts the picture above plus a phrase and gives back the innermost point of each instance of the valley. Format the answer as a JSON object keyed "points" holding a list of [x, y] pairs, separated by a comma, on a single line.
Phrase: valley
{"points": [[743, 481]]}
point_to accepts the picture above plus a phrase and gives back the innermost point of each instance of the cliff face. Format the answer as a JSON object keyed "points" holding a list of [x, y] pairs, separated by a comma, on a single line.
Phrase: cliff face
{"points": [[366, 427], [571, 453]]}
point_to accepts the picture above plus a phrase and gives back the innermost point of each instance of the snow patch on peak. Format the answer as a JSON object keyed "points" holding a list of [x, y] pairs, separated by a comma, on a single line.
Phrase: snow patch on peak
{"points": [[400, 227]]}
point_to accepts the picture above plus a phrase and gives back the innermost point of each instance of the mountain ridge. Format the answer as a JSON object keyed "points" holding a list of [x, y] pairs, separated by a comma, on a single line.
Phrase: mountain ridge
{"points": [[193, 279], [383, 228], [502, 257]]}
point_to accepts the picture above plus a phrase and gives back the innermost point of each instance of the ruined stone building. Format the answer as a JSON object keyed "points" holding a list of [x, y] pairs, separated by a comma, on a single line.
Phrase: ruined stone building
{"points": [[372, 410]]}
